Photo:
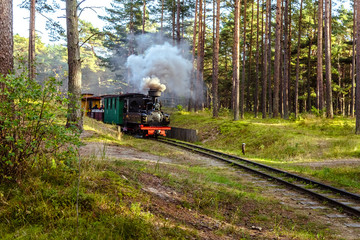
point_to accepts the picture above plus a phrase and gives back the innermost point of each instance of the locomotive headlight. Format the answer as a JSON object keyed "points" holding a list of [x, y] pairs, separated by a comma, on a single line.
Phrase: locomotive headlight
{"points": [[144, 118], [166, 118]]}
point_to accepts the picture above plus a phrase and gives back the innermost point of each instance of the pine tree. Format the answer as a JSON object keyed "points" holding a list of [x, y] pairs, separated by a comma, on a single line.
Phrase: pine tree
{"points": [[32, 41], [352, 94], [242, 92], [6, 38], [257, 69], [329, 105], [357, 98], [298, 64], [277, 59], [124, 21], [74, 63], [265, 59], [286, 60], [216, 61], [236, 46], [320, 88]]}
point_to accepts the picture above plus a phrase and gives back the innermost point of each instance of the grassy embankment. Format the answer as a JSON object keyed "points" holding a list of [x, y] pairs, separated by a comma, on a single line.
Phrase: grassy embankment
{"points": [[291, 145], [121, 199]]}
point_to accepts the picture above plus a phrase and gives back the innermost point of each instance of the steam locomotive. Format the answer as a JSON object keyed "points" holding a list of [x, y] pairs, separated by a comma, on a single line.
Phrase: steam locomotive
{"points": [[135, 112]]}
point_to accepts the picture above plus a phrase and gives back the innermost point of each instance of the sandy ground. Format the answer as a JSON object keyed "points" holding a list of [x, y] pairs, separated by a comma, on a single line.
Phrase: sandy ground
{"points": [[165, 199]]}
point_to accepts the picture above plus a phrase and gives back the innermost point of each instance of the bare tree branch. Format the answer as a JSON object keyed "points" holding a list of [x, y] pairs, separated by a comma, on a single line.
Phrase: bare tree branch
{"points": [[80, 4], [92, 8], [89, 38], [45, 16]]}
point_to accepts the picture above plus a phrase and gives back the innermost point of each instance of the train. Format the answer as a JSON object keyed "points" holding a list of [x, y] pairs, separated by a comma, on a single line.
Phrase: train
{"points": [[136, 113]]}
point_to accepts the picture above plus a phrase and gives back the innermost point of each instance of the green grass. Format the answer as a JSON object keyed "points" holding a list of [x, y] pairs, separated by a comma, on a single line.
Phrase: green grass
{"points": [[282, 143], [275, 139], [113, 202], [347, 177], [44, 207]]}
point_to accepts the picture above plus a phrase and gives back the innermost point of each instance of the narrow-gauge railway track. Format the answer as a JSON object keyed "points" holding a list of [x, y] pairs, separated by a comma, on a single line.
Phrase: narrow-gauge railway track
{"points": [[341, 199]]}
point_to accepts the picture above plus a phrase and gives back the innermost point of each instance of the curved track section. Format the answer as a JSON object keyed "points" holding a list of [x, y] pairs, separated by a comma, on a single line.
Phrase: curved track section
{"points": [[339, 198]]}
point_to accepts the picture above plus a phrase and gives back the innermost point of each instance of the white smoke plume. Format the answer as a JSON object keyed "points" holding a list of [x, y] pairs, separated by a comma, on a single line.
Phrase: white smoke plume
{"points": [[162, 64], [153, 83]]}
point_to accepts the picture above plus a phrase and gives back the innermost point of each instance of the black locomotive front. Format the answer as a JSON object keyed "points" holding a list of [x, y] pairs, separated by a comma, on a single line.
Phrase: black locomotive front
{"points": [[143, 113]]}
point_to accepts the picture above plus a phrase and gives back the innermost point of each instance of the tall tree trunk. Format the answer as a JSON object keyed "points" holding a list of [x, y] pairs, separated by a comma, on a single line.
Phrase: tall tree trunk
{"points": [[32, 41], [340, 98], [229, 102], [143, 17], [249, 82], [256, 93], [277, 59], [281, 78], [173, 20], [265, 54], [178, 8], [199, 76], [162, 15], [308, 75], [236, 59], [357, 98], [242, 92], [216, 63], [329, 105], [289, 62], [202, 59], [286, 64], [319, 82], [182, 19], [194, 74], [297, 65], [6, 46], [352, 102], [131, 30], [214, 34], [6, 39], [270, 110], [74, 62]]}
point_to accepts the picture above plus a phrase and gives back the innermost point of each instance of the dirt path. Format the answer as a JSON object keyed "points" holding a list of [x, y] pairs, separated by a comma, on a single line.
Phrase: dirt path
{"points": [[105, 150], [331, 163], [165, 201]]}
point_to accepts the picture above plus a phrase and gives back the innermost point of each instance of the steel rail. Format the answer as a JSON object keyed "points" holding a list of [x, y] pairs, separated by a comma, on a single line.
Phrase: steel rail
{"points": [[215, 154]]}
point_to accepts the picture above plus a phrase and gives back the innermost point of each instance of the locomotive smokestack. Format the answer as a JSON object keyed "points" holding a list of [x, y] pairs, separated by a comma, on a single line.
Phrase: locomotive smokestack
{"points": [[154, 93]]}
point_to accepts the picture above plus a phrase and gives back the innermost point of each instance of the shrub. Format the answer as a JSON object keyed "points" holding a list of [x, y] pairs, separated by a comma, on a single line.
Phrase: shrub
{"points": [[30, 132], [179, 108], [317, 112]]}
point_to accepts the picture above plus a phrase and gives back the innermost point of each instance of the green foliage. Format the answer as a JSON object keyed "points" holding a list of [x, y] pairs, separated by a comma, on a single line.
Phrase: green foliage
{"points": [[31, 135], [317, 112], [179, 107], [224, 112]]}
